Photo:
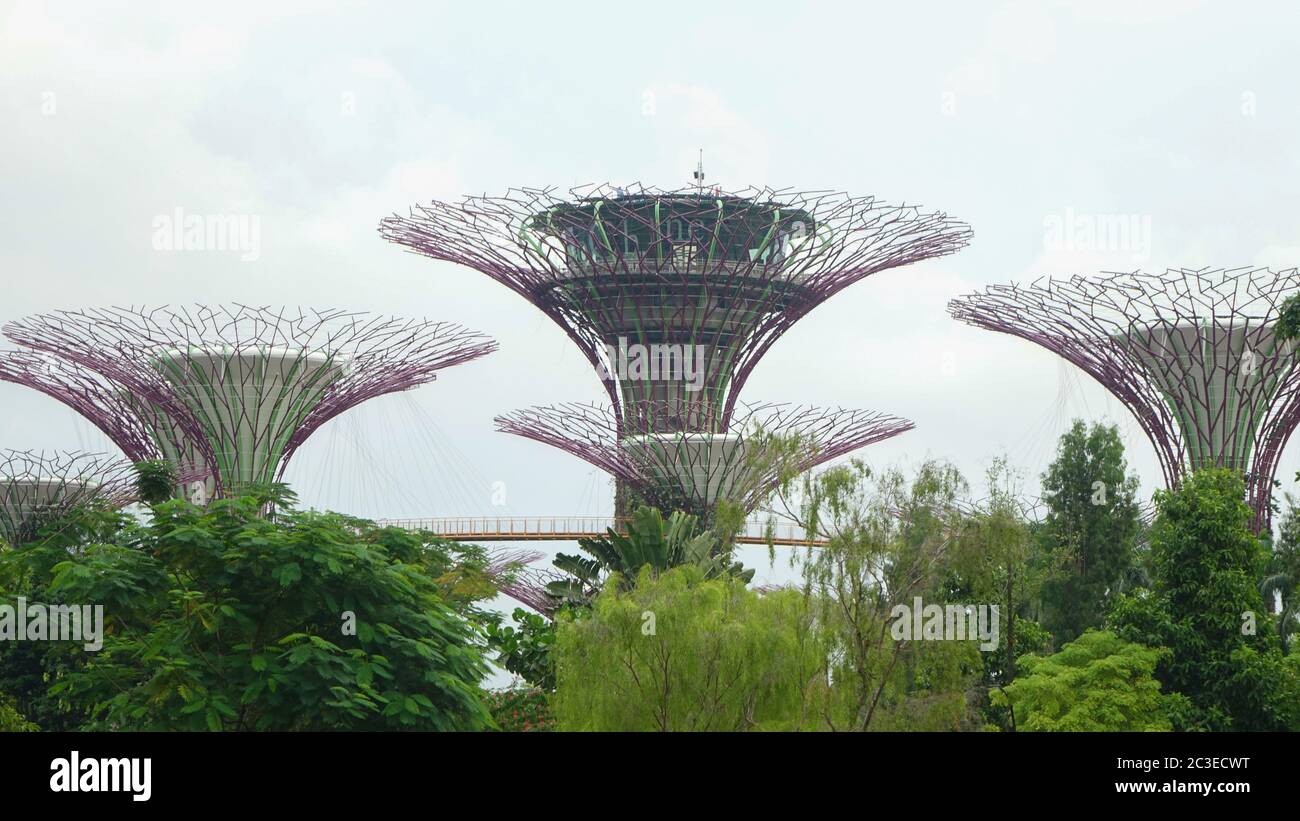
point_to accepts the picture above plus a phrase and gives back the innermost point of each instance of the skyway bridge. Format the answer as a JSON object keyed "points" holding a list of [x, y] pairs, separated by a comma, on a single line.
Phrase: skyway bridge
{"points": [[572, 528]]}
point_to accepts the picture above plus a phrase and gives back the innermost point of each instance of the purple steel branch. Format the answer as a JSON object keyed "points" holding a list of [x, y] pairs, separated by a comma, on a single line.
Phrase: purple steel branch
{"points": [[102, 403], [517, 578], [593, 433]]}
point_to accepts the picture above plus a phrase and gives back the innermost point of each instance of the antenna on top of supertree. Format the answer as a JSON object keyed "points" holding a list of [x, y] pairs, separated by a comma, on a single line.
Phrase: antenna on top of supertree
{"points": [[699, 174]]}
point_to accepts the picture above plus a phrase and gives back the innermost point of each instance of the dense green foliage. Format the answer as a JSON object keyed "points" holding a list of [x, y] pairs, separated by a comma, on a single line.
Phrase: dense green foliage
{"points": [[683, 652], [1089, 532], [155, 481], [1288, 319], [12, 721], [1282, 577], [250, 614], [651, 542], [228, 617], [30, 670], [525, 649], [1096, 683], [1205, 607]]}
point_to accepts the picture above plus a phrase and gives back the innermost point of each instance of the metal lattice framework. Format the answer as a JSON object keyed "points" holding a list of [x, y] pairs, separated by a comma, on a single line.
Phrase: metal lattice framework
{"points": [[721, 274], [693, 471], [38, 487], [235, 389], [1191, 353], [129, 424]]}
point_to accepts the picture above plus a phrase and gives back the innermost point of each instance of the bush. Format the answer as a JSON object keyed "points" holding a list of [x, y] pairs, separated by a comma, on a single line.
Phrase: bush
{"points": [[521, 710]]}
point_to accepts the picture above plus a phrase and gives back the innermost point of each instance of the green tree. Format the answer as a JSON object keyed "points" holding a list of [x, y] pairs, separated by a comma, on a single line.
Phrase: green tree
{"points": [[1288, 319], [1096, 683], [248, 614], [1283, 576], [525, 649], [679, 651], [887, 540], [30, 670], [1089, 532], [1205, 607], [994, 563]]}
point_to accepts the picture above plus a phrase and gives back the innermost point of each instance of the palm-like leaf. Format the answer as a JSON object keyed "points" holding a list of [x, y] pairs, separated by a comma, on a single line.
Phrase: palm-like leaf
{"points": [[649, 541]]}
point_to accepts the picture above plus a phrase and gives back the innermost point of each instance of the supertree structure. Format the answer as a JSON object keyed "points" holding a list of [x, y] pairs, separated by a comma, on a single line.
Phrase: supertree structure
{"points": [[234, 390], [1191, 353], [697, 272], [38, 487], [683, 470], [673, 296]]}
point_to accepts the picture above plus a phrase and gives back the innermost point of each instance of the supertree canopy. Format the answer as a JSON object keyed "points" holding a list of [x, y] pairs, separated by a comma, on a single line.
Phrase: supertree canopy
{"points": [[682, 470], [642, 279], [234, 390], [674, 297], [37, 488], [1191, 353]]}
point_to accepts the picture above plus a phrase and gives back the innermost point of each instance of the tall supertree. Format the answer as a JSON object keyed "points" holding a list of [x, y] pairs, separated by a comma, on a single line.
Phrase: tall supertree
{"points": [[684, 470], [234, 390], [674, 296], [37, 488], [1191, 353]]}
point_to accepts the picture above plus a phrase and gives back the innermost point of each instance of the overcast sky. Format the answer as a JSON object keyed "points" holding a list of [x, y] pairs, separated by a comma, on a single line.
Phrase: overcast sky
{"points": [[318, 119]]}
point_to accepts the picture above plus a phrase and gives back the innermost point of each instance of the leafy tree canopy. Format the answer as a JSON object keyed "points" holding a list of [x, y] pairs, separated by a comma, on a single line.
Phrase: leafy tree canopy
{"points": [[1090, 528], [1096, 683], [1205, 606], [248, 614]]}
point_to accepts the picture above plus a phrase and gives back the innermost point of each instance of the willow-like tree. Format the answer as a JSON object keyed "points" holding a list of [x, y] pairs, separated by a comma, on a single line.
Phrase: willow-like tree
{"points": [[995, 563], [887, 544], [678, 651]]}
